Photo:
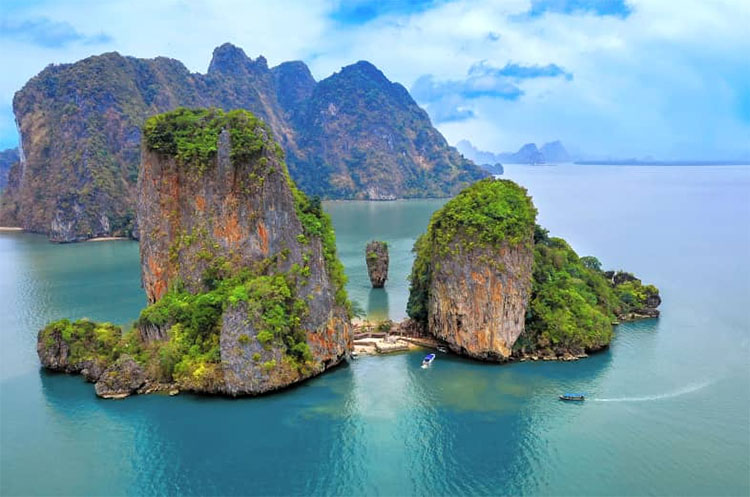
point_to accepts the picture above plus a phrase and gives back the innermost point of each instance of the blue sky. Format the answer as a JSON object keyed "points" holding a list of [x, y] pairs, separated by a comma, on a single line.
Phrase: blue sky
{"points": [[610, 78]]}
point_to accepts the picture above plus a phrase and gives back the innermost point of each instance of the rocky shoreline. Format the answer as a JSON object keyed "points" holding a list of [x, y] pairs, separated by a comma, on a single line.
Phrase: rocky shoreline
{"points": [[371, 338], [246, 293], [387, 337]]}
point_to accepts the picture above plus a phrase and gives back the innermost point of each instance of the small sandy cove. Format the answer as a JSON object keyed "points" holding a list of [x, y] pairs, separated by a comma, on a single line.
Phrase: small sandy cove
{"points": [[107, 238], [385, 337]]}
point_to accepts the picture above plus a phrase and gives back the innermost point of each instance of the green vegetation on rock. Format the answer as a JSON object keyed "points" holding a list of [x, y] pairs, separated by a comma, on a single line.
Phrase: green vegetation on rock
{"points": [[191, 135], [194, 321], [490, 212], [191, 355], [316, 223], [352, 135], [573, 303], [572, 306], [225, 319], [87, 340]]}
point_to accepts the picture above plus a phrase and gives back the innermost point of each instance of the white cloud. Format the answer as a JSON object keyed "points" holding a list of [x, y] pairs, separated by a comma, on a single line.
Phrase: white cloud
{"points": [[668, 80]]}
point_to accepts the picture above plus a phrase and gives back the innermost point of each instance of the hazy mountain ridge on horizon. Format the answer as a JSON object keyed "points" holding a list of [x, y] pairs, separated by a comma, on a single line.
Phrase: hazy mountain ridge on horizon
{"points": [[555, 152], [354, 134], [550, 152]]}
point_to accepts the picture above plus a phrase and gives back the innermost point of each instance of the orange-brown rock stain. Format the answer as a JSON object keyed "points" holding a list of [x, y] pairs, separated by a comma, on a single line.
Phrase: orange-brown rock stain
{"points": [[263, 235], [326, 343], [478, 307], [158, 286], [192, 219]]}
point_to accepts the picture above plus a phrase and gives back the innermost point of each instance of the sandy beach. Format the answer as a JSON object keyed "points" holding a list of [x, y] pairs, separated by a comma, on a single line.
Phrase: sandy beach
{"points": [[107, 238]]}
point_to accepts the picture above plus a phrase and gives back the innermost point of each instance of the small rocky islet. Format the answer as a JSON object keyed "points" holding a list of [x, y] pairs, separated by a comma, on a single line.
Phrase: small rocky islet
{"points": [[246, 292], [240, 269], [493, 285], [376, 259]]}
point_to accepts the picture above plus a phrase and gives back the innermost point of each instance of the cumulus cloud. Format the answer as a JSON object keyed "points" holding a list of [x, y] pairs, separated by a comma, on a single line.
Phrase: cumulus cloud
{"points": [[617, 77], [518, 71], [449, 100]]}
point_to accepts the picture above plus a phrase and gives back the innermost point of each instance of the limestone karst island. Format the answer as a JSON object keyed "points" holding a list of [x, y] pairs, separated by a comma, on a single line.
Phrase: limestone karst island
{"points": [[374, 248], [247, 295]]}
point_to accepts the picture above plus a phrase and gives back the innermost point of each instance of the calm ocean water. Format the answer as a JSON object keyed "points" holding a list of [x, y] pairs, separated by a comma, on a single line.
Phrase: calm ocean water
{"points": [[670, 400]]}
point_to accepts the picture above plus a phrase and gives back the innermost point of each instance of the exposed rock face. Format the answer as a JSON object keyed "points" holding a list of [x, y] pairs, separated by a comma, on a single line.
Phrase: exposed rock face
{"points": [[121, 379], [246, 290], [238, 212], [352, 135], [247, 212], [471, 279], [653, 301], [376, 255], [479, 308], [54, 353]]}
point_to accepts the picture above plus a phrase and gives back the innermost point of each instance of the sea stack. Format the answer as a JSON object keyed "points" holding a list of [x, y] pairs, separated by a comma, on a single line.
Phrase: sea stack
{"points": [[216, 208], [376, 255], [471, 280], [240, 269]]}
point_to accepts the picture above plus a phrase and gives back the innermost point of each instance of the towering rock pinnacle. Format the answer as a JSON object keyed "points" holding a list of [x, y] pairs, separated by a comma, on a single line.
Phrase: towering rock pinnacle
{"points": [[240, 268], [471, 279], [376, 257], [219, 213]]}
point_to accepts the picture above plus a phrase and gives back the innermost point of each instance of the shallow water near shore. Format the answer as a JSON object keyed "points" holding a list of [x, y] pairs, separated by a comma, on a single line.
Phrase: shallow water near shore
{"points": [[668, 409]]}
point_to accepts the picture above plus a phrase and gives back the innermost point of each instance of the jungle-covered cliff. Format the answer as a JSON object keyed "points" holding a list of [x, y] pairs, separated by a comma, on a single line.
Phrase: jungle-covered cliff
{"points": [[246, 293], [492, 284], [352, 135]]}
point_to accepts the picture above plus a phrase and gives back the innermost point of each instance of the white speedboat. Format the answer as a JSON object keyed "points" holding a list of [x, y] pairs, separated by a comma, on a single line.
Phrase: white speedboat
{"points": [[428, 360]]}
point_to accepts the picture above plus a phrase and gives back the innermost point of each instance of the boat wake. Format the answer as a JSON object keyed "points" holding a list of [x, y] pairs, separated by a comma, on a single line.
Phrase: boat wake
{"points": [[693, 387]]}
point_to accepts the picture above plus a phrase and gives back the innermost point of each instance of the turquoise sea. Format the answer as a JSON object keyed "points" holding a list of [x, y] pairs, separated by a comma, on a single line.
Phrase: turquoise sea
{"points": [[669, 408]]}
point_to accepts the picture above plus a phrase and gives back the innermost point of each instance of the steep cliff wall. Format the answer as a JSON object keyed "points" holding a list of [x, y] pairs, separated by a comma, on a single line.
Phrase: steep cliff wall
{"points": [[354, 134], [240, 268], [368, 138], [471, 279]]}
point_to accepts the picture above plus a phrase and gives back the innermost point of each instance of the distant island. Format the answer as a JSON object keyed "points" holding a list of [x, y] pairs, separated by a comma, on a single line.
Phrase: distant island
{"points": [[555, 153], [352, 135], [552, 152], [246, 293]]}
